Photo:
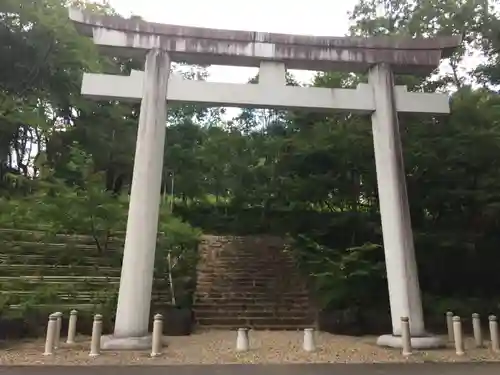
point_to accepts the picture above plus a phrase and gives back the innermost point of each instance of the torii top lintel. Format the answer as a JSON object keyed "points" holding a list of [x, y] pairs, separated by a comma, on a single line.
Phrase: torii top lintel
{"points": [[133, 37]]}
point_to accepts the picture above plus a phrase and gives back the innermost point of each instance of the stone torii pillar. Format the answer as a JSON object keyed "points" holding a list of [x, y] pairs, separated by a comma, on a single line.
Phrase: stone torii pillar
{"points": [[136, 279], [401, 266], [273, 53]]}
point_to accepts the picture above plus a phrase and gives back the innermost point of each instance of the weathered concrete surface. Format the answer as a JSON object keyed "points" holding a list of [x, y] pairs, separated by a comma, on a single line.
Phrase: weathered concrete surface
{"points": [[134, 296], [299, 369], [261, 95], [404, 291], [132, 37]]}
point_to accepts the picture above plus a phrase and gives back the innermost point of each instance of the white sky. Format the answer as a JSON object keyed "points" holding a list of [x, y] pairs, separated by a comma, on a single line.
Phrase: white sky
{"points": [[313, 17]]}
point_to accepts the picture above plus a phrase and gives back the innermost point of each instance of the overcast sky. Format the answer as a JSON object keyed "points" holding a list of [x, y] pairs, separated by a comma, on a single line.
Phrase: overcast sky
{"points": [[313, 17]]}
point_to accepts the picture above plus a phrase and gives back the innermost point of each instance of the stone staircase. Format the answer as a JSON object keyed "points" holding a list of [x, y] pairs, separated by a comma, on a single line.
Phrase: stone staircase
{"points": [[250, 282], [40, 269]]}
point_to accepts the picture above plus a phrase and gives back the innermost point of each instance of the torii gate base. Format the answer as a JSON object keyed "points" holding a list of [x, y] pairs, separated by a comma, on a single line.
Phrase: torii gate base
{"points": [[273, 53]]}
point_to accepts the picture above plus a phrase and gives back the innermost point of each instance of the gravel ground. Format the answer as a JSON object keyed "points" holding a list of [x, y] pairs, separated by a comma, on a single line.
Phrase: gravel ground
{"points": [[217, 347]]}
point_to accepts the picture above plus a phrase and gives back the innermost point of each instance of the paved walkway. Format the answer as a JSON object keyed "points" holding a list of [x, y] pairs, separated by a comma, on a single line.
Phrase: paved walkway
{"points": [[301, 369]]}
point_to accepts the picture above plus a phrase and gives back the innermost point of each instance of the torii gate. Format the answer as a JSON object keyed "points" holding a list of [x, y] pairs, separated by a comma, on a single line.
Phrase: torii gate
{"points": [[161, 44]]}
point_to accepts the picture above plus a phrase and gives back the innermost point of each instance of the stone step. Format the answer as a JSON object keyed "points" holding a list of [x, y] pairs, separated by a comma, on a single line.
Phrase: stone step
{"points": [[275, 286], [258, 327], [248, 276], [251, 260], [242, 322], [33, 259], [257, 306], [45, 271], [252, 253], [289, 284], [256, 276], [63, 282], [248, 270], [283, 314], [293, 296], [264, 270], [228, 256], [59, 306], [225, 256], [288, 304], [42, 236], [78, 294], [263, 306], [270, 293], [18, 245], [63, 307], [55, 270], [61, 279], [77, 297]]}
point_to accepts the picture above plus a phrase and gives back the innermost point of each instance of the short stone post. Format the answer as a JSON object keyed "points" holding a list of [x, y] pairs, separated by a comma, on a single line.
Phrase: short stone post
{"points": [[309, 345], [476, 328], [51, 335], [495, 341], [449, 326], [405, 335], [242, 342], [73, 317], [57, 338], [95, 343], [457, 333], [157, 335]]}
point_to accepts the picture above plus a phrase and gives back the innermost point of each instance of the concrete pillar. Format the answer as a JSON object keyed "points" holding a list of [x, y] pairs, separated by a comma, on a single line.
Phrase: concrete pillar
{"points": [[449, 326], [57, 337], [157, 335], [242, 341], [95, 341], [476, 328], [402, 277], [134, 299], [73, 316], [51, 333], [309, 345], [495, 341], [457, 333], [406, 336]]}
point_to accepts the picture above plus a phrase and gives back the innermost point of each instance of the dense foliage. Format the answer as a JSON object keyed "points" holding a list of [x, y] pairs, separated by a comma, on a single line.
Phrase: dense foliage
{"points": [[67, 161]]}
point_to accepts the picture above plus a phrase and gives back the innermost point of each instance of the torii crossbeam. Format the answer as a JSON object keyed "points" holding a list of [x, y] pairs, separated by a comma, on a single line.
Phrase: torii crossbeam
{"points": [[162, 44], [265, 94]]}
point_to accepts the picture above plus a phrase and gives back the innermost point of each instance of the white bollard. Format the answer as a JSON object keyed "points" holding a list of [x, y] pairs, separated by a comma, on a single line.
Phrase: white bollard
{"points": [[242, 342], [495, 341], [51, 333], [476, 328], [157, 335], [405, 335], [457, 333], [73, 317], [309, 345], [57, 338], [95, 343], [449, 326]]}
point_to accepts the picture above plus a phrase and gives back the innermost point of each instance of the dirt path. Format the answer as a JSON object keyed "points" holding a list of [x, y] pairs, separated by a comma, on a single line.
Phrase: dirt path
{"points": [[308, 369], [217, 347]]}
